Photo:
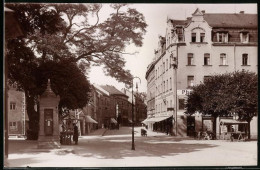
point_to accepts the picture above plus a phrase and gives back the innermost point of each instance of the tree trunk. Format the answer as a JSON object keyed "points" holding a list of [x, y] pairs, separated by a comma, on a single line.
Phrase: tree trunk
{"points": [[248, 128], [214, 125], [32, 133]]}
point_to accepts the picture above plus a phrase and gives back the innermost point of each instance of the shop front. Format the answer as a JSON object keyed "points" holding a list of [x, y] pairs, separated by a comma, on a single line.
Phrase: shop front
{"points": [[160, 124], [231, 129]]}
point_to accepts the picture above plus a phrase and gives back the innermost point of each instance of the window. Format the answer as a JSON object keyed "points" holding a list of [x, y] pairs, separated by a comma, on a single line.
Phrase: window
{"points": [[170, 83], [166, 64], [12, 125], [244, 36], [222, 37], [167, 85], [12, 106], [170, 63], [193, 37], [190, 59], [206, 78], [245, 59], [164, 86], [223, 59], [181, 104], [179, 31], [163, 67], [202, 37], [190, 81], [206, 59]]}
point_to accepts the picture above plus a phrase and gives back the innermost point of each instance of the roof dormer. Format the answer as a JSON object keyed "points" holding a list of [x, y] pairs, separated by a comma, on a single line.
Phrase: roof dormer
{"points": [[197, 15]]}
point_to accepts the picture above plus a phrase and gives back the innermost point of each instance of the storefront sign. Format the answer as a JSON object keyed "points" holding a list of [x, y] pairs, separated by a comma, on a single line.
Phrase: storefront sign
{"points": [[184, 92]]}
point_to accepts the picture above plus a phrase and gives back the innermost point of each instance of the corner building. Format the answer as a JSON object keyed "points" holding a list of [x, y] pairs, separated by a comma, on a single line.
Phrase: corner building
{"points": [[191, 51]]}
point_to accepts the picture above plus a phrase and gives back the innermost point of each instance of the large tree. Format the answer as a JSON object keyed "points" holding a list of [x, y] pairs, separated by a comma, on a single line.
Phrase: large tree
{"points": [[77, 37], [66, 32], [226, 94], [67, 80]]}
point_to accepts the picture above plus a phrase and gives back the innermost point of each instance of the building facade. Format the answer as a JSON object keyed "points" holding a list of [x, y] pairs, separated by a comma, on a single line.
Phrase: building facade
{"points": [[17, 115], [119, 105], [191, 51]]}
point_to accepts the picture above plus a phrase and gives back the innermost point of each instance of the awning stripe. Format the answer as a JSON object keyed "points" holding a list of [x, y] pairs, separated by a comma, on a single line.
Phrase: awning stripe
{"points": [[232, 121], [90, 120], [113, 120], [155, 119]]}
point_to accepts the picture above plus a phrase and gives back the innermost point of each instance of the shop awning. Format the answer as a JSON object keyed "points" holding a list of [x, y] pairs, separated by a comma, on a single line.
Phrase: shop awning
{"points": [[232, 122], [145, 121], [90, 120], [156, 119], [113, 120]]}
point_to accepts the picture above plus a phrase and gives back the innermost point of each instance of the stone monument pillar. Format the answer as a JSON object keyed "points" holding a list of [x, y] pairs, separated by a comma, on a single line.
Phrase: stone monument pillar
{"points": [[49, 135]]}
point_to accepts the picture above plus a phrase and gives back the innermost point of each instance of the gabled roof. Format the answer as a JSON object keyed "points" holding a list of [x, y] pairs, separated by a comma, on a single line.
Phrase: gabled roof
{"points": [[198, 12], [112, 90], [231, 20], [101, 90], [224, 20]]}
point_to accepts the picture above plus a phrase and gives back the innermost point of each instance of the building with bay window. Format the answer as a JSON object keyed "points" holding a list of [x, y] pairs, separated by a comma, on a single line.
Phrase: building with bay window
{"points": [[191, 51]]}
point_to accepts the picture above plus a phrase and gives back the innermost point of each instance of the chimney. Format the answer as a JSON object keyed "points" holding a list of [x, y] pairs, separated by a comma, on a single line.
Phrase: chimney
{"points": [[242, 12], [203, 11]]}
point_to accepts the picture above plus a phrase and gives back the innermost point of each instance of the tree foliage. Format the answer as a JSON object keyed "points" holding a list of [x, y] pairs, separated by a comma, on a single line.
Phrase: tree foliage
{"points": [[59, 31], [61, 43], [226, 94]]}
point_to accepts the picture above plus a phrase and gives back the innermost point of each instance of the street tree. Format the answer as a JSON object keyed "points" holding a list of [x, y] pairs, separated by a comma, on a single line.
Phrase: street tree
{"points": [[64, 32], [67, 80], [226, 94]]}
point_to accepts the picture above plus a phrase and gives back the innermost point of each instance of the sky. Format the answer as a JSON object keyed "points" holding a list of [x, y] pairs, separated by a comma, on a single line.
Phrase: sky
{"points": [[156, 16]]}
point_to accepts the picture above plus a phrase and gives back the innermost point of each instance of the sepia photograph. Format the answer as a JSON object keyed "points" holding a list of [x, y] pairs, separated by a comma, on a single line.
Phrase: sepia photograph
{"points": [[128, 85]]}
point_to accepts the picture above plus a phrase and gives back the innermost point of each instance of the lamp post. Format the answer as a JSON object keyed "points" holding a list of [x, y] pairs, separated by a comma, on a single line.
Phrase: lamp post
{"points": [[133, 141]]}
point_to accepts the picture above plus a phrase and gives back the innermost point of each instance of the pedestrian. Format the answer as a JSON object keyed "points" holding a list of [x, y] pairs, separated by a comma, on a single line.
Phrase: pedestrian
{"points": [[75, 134]]}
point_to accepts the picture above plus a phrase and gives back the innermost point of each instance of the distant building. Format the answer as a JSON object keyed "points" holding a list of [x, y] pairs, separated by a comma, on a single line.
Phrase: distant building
{"points": [[139, 106], [119, 105], [17, 115], [191, 51]]}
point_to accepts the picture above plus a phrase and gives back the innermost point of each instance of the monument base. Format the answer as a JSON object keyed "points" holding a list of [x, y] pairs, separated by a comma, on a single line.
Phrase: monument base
{"points": [[48, 142]]}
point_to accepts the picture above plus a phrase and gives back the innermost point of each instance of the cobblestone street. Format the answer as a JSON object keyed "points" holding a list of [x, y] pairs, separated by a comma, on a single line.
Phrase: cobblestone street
{"points": [[114, 150]]}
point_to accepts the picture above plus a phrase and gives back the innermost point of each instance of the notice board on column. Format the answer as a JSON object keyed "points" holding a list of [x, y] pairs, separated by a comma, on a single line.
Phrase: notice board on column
{"points": [[207, 125]]}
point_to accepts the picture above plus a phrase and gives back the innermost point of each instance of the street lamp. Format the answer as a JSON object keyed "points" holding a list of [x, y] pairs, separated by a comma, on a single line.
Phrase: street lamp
{"points": [[133, 142]]}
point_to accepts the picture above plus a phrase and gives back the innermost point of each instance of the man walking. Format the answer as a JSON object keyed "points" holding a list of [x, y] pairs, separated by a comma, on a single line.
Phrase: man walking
{"points": [[75, 134]]}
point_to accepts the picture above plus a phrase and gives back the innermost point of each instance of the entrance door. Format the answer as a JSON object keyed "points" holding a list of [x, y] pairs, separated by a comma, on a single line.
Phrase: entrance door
{"points": [[48, 121], [190, 125]]}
